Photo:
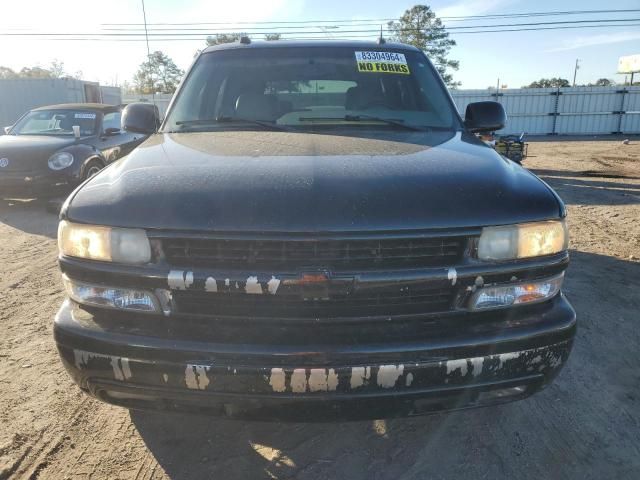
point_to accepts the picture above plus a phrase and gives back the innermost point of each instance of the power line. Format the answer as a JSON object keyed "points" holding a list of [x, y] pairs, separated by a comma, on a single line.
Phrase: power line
{"points": [[461, 17], [501, 27], [369, 35], [259, 30], [567, 27], [372, 36], [540, 14]]}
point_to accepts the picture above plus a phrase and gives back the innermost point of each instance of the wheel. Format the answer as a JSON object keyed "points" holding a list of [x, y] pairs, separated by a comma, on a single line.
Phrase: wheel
{"points": [[516, 157], [92, 168]]}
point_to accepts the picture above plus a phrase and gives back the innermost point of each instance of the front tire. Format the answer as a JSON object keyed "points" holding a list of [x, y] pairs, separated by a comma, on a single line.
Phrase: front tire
{"points": [[91, 169]]}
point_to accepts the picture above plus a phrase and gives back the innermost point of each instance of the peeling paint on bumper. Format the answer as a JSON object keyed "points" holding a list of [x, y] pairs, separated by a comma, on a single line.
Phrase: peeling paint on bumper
{"points": [[310, 381], [452, 379]]}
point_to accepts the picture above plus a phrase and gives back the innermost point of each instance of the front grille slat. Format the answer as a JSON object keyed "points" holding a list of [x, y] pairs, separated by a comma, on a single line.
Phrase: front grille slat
{"points": [[351, 252], [240, 258], [331, 254], [290, 306]]}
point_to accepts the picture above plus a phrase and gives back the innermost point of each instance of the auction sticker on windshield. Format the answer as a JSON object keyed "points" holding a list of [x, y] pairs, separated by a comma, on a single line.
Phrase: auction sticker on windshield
{"points": [[382, 62]]}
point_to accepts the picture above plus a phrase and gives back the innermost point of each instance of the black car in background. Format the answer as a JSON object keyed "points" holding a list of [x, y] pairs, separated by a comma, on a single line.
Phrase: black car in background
{"points": [[52, 149], [314, 233]]}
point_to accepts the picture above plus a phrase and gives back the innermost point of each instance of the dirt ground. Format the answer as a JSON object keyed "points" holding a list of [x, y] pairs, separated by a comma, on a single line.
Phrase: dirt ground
{"points": [[586, 425]]}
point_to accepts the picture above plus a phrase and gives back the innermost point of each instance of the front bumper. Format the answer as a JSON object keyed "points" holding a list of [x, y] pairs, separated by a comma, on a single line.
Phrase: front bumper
{"points": [[317, 382], [23, 184]]}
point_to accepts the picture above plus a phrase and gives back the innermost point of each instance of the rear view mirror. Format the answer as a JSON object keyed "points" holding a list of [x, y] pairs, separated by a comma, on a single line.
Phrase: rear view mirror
{"points": [[140, 118], [485, 117]]}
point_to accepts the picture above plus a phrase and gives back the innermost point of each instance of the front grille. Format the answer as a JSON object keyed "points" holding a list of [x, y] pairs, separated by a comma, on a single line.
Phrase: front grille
{"points": [[357, 304], [291, 255]]}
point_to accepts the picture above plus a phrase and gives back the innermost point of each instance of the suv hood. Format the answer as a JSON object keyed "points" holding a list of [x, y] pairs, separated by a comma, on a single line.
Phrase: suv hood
{"points": [[306, 182], [30, 152]]}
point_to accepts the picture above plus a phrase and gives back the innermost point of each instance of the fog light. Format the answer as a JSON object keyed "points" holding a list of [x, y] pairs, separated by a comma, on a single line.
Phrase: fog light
{"points": [[110, 297], [516, 294]]}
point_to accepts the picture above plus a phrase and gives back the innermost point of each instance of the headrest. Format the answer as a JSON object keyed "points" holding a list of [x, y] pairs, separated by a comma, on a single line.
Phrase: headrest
{"points": [[257, 106]]}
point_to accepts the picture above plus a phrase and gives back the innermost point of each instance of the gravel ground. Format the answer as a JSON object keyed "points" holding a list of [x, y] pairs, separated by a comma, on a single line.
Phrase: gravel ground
{"points": [[586, 425]]}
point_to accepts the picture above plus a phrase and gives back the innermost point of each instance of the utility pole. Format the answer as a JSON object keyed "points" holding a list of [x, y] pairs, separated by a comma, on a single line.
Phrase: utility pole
{"points": [[575, 71], [146, 36]]}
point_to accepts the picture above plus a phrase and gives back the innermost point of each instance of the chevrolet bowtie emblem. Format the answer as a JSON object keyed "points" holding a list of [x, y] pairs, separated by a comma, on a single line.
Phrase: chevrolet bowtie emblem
{"points": [[312, 285], [313, 278]]}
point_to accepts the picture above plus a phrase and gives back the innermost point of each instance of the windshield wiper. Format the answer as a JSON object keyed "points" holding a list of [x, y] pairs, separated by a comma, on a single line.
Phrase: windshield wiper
{"points": [[229, 120], [358, 118]]}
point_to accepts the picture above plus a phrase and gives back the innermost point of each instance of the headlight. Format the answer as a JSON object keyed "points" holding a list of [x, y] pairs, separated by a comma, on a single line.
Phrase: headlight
{"points": [[60, 160], [110, 297], [516, 294], [122, 245], [523, 241]]}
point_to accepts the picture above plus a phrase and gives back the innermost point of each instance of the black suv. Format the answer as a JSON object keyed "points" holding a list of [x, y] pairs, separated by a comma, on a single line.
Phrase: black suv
{"points": [[313, 233]]}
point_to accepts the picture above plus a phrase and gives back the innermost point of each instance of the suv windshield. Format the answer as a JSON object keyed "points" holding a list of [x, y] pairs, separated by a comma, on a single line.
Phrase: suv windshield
{"points": [[56, 122], [295, 87]]}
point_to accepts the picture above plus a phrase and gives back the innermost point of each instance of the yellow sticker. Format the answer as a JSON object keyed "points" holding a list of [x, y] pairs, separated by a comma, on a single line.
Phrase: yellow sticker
{"points": [[382, 62]]}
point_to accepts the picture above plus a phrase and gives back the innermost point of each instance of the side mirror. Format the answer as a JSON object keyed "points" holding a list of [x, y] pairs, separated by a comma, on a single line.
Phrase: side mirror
{"points": [[485, 117], [140, 118], [110, 132], [7, 129]]}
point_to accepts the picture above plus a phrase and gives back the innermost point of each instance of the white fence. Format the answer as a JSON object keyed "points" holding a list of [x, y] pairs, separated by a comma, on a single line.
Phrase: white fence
{"points": [[563, 111], [539, 111]]}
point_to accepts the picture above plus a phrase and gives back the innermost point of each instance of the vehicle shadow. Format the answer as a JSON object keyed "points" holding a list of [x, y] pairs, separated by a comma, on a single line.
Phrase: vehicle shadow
{"points": [[578, 427], [594, 188], [582, 173], [35, 216], [189, 447]]}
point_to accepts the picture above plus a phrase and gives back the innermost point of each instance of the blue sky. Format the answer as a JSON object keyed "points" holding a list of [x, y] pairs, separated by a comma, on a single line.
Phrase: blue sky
{"points": [[517, 58]]}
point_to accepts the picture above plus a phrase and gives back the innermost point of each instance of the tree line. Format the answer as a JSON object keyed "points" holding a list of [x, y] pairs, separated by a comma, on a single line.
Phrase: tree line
{"points": [[54, 70], [563, 82]]}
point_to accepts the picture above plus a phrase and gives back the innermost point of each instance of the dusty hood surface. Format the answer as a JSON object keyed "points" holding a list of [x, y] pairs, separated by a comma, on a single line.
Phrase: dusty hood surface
{"points": [[308, 182]]}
